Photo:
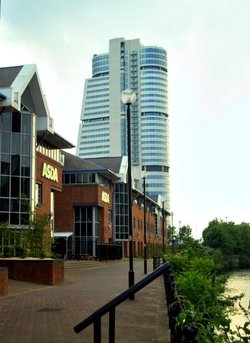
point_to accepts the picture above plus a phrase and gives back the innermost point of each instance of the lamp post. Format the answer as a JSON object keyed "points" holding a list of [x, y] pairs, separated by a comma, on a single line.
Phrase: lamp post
{"points": [[163, 228], [145, 224], [128, 98]]}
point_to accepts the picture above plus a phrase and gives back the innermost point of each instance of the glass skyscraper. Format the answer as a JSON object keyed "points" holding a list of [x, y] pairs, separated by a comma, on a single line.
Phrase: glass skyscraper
{"points": [[102, 131]]}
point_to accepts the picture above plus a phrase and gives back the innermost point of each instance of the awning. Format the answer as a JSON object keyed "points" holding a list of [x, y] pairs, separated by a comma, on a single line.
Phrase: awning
{"points": [[62, 234]]}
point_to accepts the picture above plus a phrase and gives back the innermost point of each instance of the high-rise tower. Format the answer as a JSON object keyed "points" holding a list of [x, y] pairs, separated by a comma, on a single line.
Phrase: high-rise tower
{"points": [[102, 130]]}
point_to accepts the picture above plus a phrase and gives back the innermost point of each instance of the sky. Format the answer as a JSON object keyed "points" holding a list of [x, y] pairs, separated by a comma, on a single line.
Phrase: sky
{"points": [[208, 84]]}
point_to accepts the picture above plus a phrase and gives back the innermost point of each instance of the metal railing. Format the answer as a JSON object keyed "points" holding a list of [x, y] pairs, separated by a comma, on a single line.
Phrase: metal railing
{"points": [[95, 317], [174, 306]]}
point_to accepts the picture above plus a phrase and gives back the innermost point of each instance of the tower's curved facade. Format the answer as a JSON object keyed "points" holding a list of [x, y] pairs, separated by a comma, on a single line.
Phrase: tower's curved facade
{"points": [[102, 131]]}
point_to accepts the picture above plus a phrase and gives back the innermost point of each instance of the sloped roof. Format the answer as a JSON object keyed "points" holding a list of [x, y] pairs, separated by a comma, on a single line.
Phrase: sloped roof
{"points": [[112, 163], [8, 75], [73, 163]]}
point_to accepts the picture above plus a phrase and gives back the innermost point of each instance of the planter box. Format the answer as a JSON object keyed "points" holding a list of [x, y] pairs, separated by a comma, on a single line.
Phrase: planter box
{"points": [[47, 271]]}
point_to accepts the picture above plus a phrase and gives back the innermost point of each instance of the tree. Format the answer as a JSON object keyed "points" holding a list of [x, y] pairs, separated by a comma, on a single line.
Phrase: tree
{"points": [[231, 239], [185, 232]]}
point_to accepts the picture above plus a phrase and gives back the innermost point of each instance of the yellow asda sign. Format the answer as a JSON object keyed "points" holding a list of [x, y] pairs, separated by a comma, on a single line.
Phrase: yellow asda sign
{"points": [[50, 172]]}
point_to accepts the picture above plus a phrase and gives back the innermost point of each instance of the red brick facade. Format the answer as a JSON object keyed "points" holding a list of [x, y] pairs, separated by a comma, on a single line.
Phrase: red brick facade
{"points": [[47, 186], [91, 195], [87, 194]]}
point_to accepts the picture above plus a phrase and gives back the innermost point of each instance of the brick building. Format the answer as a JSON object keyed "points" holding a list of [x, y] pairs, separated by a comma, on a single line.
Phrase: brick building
{"points": [[30, 150], [93, 208]]}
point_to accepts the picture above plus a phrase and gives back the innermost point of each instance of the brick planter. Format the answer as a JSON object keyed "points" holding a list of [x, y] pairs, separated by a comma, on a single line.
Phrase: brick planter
{"points": [[47, 271], [3, 280]]}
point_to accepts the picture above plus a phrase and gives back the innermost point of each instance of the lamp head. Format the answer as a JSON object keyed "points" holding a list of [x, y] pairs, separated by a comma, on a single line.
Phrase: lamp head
{"points": [[128, 97]]}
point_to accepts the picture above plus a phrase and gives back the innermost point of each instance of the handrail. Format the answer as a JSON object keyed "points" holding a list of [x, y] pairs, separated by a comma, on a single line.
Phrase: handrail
{"points": [[95, 317]]}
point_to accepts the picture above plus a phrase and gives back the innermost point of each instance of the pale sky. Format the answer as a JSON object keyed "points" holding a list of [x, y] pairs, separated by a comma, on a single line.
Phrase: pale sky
{"points": [[208, 45]]}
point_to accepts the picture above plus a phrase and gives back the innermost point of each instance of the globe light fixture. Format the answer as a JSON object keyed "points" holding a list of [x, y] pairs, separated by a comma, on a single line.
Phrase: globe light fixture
{"points": [[128, 97]]}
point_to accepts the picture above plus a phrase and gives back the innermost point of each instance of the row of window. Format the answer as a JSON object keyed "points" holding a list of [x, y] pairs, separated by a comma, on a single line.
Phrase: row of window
{"points": [[86, 142], [97, 84], [154, 136], [153, 61], [103, 129], [156, 148], [78, 178], [97, 90], [153, 71], [155, 160], [95, 108], [162, 90], [13, 186], [96, 121], [149, 130], [96, 148], [96, 96], [158, 154], [96, 113], [99, 79], [93, 154]]}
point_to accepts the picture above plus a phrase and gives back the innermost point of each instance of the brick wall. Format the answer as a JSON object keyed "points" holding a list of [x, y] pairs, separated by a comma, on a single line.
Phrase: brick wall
{"points": [[49, 272], [77, 195]]}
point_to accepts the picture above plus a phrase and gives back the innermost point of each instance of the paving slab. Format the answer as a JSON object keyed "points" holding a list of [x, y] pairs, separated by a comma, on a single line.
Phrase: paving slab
{"points": [[47, 314]]}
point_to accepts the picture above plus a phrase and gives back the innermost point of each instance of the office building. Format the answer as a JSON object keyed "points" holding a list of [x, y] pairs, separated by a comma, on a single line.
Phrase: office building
{"points": [[102, 132], [31, 161]]}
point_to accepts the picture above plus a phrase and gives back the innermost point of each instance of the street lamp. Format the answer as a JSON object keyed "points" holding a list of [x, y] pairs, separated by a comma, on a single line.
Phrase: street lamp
{"points": [[145, 224], [163, 228], [128, 98]]}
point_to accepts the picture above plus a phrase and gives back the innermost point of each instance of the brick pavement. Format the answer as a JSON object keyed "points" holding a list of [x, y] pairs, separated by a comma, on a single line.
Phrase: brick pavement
{"points": [[47, 314]]}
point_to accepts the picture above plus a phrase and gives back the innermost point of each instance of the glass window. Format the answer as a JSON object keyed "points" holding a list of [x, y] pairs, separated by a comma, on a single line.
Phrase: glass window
{"points": [[15, 165], [15, 181], [14, 218], [83, 217], [26, 144], [15, 147], [89, 229], [77, 229], [6, 121], [5, 142], [4, 217], [14, 205], [16, 122], [24, 218], [25, 187], [25, 166], [5, 164], [79, 178], [26, 127], [4, 204], [77, 214], [4, 186]]}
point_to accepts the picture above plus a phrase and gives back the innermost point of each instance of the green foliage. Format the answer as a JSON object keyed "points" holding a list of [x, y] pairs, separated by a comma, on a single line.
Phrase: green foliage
{"points": [[233, 241], [27, 241], [153, 249], [206, 307]]}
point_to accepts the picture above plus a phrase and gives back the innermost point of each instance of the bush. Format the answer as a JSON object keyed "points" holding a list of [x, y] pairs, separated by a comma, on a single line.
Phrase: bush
{"points": [[8, 251], [21, 252]]}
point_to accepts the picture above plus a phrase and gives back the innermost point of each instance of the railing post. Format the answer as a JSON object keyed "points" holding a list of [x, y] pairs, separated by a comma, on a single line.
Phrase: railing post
{"points": [[97, 330], [112, 325]]}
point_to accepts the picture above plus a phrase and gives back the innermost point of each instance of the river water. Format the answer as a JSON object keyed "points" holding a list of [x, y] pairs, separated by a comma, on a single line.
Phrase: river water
{"points": [[239, 282]]}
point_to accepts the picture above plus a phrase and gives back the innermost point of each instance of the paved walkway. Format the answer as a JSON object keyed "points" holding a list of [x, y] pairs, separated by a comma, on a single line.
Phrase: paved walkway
{"points": [[32, 313]]}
